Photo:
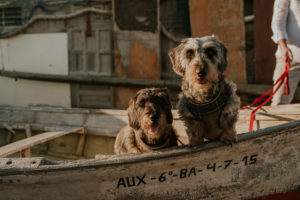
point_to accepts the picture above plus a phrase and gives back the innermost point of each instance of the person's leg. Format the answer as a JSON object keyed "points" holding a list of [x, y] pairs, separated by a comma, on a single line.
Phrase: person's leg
{"points": [[279, 69], [294, 76]]}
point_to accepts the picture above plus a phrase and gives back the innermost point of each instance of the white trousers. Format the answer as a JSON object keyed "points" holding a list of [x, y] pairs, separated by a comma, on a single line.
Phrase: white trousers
{"points": [[294, 77]]}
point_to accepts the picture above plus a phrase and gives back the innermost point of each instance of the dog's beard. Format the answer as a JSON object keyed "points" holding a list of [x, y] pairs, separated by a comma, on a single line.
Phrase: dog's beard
{"points": [[154, 141], [202, 95]]}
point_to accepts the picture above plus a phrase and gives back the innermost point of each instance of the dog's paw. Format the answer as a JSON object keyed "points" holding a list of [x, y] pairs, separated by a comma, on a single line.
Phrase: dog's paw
{"points": [[134, 150], [229, 138], [196, 141]]}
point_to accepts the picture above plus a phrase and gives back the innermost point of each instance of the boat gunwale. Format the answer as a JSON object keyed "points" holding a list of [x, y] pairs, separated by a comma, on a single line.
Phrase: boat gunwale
{"points": [[136, 158]]}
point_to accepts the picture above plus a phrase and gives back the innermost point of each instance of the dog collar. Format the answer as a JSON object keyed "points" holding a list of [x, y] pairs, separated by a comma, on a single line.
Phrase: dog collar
{"points": [[143, 146], [201, 109]]}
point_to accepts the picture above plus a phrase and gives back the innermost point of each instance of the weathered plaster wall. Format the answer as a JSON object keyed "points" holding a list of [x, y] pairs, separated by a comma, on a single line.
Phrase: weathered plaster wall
{"points": [[264, 47], [136, 56], [225, 20], [143, 62], [25, 92], [136, 49], [36, 53]]}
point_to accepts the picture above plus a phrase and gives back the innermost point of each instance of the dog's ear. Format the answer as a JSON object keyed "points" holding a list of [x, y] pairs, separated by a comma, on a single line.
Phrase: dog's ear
{"points": [[174, 55], [169, 117], [132, 114], [223, 62], [167, 105]]}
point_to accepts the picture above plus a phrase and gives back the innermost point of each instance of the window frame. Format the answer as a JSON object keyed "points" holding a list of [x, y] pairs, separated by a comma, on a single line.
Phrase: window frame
{"points": [[98, 52], [10, 20]]}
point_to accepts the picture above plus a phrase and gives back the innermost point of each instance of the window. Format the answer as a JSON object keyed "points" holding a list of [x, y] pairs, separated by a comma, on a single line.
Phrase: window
{"points": [[11, 16], [91, 55]]}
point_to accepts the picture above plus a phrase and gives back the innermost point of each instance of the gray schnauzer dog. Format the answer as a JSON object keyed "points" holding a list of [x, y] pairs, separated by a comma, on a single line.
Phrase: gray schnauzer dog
{"points": [[208, 104]]}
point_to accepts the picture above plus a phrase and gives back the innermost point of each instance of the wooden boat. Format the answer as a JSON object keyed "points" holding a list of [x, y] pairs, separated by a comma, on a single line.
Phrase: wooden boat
{"points": [[264, 164]]}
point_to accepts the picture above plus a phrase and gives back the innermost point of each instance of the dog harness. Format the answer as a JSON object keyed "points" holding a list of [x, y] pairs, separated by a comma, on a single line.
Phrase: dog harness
{"points": [[142, 145], [200, 110]]}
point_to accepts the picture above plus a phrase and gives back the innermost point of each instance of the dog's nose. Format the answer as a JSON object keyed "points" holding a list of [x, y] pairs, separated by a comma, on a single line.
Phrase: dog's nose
{"points": [[155, 116], [202, 72]]}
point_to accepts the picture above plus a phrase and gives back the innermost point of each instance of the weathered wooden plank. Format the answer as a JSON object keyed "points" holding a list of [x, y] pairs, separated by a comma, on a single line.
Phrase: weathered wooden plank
{"points": [[11, 132], [243, 125], [95, 145], [97, 121], [9, 128], [25, 153], [37, 139], [91, 96], [92, 79], [289, 109], [249, 89], [270, 117], [262, 163], [108, 122], [81, 145]]}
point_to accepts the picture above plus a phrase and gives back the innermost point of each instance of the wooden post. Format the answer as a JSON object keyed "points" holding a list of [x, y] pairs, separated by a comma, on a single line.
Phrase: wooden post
{"points": [[11, 133], [81, 144], [257, 124], [27, 152]]}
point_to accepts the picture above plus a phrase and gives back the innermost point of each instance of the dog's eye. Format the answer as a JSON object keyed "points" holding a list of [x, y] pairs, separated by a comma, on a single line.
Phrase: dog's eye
{"points": [[142, 103], [190, 54], [210, 52]]}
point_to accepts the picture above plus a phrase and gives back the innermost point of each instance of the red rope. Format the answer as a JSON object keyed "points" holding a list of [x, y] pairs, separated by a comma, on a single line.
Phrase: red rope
{"points": [[284, 78]]}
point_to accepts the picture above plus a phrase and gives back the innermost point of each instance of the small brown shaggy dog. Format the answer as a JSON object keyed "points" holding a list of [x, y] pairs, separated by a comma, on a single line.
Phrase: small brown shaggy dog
{"points": [[209, 105], [150, 123]]}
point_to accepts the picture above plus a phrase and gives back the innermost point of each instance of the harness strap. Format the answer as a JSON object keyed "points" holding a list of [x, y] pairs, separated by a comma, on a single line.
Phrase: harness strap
{"points": [[202, 109], [141, 144]]}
